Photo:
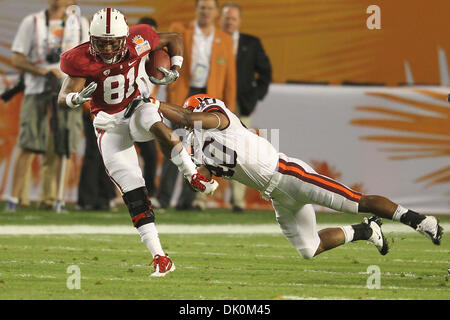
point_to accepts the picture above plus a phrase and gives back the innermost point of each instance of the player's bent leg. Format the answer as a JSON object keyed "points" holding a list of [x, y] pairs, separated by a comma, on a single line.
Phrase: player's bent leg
{"points": [[139, 207], [120, 159], [330, 238], [143, 217], [122, 165], [307, 227], [300, 181], [369, 230], [142, 119], [299, 227], [385, 208], [303, 182], [288, 226], [377, 205]]}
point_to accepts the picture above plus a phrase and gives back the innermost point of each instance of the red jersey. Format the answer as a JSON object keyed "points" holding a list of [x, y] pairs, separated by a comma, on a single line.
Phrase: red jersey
{"points": [[117, 84]]}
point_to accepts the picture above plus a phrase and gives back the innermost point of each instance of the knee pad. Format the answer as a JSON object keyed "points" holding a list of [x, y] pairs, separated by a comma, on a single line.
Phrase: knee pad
{"points": [[139, 206]]}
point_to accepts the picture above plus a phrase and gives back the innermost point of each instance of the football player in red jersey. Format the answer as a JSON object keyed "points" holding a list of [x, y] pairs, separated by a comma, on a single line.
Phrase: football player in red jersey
{"points": [[109, 71]]}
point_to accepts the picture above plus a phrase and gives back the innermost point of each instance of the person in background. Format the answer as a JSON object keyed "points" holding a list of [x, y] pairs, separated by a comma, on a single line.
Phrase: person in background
{"points": [[96, 191], [209, 67], [8, 94], [37, 46], [148, 149], [254, 74]]}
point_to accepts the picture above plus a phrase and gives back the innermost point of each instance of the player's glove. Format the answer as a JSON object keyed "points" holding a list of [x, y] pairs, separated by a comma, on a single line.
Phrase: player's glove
{"points": [[169, 76], [75, 99], [203, 184]]}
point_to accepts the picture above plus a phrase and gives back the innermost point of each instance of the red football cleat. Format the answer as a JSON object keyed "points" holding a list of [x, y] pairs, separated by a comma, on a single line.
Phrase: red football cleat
{"points": [[162, 265]]}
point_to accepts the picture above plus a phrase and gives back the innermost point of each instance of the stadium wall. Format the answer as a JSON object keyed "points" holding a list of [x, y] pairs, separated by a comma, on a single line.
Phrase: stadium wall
{"points": [[391, 141]]}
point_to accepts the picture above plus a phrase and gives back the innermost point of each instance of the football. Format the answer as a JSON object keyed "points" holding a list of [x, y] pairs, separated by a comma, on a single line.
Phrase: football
{"points": [[156, 59]]}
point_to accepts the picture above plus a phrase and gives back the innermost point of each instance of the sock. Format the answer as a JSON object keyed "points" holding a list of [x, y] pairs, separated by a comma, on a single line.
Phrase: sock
{"points": [[362, 231], [411, 218], [149, 236], [399, 212], [349, 233]]}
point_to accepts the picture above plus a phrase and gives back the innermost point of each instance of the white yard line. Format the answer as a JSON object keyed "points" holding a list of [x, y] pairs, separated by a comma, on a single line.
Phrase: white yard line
{"points": [[175, 229]]}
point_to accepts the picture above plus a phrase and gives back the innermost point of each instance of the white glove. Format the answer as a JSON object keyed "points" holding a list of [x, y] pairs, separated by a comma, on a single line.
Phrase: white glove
{"points": [[75, 99], [169, 76]]}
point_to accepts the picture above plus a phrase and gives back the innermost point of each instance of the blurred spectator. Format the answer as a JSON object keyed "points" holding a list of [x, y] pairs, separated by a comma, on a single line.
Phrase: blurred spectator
{"points": [[254, 74], [67, 125], [148, 149], [38, 43], [150, 21], [7, 95], [209, 67], [95, 189]]}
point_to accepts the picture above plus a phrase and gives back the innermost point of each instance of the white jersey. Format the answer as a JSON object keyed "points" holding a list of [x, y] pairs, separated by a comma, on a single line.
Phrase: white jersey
{"points": [[234, 152]]}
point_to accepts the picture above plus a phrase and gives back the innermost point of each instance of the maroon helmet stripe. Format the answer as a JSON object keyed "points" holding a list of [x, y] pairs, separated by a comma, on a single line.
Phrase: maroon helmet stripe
{"points": [[108, 20]]}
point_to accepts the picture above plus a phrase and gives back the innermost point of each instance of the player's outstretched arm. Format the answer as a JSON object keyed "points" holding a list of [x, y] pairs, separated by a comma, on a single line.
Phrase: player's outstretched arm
{"points": [[187, 118], [169, 142], [172, 148], [73, 93]]}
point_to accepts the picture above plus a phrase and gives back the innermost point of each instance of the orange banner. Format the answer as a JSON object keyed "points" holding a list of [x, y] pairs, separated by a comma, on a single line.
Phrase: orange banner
{"points": [[312, 41]]}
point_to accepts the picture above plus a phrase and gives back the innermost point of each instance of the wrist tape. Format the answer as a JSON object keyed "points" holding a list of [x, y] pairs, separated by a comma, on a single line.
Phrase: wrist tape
{"points": [[69, 102]]}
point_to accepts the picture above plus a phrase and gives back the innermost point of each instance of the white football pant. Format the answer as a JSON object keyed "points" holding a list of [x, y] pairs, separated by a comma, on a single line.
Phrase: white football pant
{"points": [[298, 188], [115, 138]]}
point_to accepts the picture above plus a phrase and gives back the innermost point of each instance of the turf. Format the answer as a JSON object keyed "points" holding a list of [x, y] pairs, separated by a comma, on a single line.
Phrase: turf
{"points": [[211, 266]]}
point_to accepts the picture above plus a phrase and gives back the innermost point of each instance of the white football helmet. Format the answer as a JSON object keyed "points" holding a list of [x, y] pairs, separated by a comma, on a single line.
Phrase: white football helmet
{"points": [[108, 34]]}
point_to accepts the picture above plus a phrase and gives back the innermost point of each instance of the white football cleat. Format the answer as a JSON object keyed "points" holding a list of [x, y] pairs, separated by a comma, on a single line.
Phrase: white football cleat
{"points": [[162, 266], [377, 238], [430, 228]]}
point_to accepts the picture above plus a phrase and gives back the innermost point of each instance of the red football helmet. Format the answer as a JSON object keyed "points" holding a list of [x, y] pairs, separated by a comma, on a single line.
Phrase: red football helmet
{"points": [[108, 34], [194, 101]]}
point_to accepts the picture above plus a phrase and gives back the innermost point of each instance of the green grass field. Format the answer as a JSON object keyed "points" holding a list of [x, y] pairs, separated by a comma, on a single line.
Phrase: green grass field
{"points": [[210, 266]]}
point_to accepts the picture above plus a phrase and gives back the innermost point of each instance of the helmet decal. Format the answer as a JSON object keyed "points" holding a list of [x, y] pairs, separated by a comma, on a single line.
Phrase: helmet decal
{"points": [[194, 101]]}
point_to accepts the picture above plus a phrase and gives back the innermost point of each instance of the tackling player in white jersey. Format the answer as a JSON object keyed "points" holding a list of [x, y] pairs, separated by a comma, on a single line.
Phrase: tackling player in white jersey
{"points": [[224, 147]]}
